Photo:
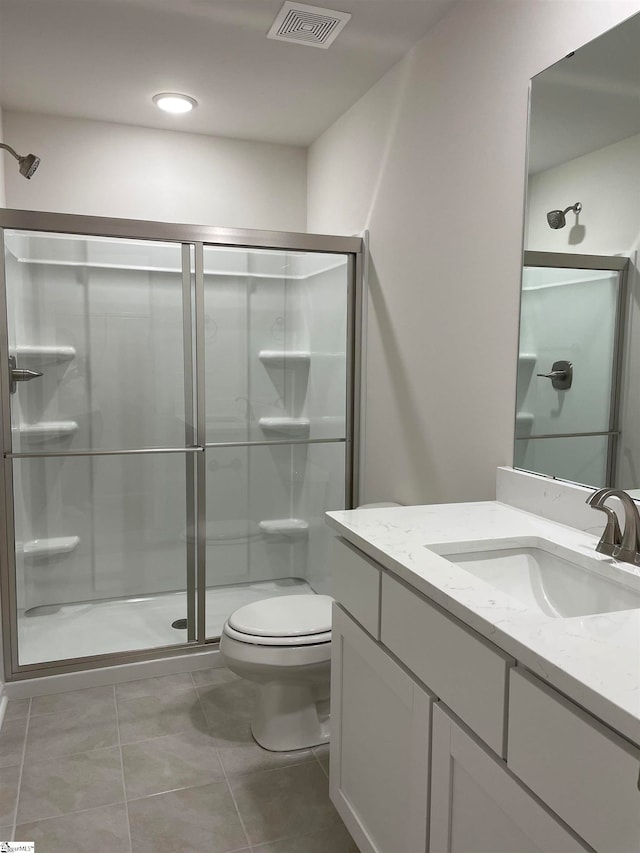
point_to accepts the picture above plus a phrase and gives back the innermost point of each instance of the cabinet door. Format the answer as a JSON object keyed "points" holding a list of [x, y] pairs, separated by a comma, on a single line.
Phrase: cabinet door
{"points": [[478, 807], [379, 777]]}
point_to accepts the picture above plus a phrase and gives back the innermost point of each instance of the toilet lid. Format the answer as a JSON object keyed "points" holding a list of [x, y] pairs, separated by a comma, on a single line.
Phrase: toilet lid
{"points": [[285, 616]]}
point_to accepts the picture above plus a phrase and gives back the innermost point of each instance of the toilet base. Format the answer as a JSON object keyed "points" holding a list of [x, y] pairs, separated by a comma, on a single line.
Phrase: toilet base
{"points": [[290, 716]]}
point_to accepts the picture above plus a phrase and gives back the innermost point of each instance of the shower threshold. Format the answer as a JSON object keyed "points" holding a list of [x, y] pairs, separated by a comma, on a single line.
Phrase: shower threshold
{"points": [[114, 625]]}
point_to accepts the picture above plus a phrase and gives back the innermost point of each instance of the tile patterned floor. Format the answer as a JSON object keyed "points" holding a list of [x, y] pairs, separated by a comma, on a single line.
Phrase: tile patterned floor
{"points": [[162, 764]]}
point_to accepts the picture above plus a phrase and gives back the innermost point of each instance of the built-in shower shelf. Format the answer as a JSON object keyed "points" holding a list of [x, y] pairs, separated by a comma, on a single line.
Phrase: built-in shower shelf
{"points": [[43, 355], [527, 358], [224, 531], [524, 423], [39, 433], [284, 527], [45, 549], [284, 358], [286, 426]]}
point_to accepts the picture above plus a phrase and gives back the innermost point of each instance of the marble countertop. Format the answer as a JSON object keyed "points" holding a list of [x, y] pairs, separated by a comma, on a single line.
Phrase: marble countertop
{"points": [[594, 660]]}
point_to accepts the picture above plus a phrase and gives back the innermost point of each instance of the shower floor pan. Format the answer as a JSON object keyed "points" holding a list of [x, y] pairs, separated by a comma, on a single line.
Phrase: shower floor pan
{"points": [[132, 624]]}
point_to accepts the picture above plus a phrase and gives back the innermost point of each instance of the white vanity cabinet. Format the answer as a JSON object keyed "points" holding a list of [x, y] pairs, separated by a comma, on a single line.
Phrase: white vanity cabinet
{"points": [[442, 743], [581, 769], [380, 717], [478, 807]]}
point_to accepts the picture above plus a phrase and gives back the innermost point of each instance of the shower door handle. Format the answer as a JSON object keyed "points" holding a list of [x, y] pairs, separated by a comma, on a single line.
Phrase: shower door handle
{"points": [[17, 374]]}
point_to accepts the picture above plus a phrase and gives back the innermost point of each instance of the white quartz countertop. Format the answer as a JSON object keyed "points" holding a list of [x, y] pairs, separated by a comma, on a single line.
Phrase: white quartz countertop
{"points": [[594, 660]]}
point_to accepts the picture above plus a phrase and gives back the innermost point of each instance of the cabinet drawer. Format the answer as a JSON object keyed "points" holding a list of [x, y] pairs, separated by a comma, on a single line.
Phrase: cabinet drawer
{"points": [[356, 585], [465, 671], [584, 772]]}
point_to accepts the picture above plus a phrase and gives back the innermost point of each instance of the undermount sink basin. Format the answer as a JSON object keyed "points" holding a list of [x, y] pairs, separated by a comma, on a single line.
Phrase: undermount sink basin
{"points": [[545, 577]]}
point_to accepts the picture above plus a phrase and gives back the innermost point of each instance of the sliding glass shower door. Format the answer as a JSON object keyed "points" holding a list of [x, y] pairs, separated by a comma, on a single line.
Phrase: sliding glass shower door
{"points": [[178, 414], [275, 365], [100, 428]]}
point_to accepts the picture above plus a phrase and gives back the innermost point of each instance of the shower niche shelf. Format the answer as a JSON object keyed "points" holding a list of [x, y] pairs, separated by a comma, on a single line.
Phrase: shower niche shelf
{"points": [[286, 426], [524, 424], [284, 358], [44, 549], [289, 527], [43, 355], [39, 433]]}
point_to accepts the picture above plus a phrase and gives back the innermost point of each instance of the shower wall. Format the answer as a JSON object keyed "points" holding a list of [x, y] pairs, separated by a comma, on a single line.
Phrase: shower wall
{"points": [[103, 320]]}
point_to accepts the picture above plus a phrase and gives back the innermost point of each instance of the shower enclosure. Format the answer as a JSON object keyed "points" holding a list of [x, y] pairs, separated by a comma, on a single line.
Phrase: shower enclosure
{"points": [[178, 412]]}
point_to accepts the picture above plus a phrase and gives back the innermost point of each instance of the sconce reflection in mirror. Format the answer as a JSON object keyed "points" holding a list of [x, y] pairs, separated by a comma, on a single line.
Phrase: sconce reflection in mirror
{"points": [[557, 218]]}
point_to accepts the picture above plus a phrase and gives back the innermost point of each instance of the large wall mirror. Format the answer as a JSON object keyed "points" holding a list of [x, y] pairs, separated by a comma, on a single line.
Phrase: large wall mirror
{"points": [[578, 394]]}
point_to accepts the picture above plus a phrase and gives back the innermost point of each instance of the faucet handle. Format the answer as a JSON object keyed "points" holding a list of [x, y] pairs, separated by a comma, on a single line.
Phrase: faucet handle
{"points": [[611, 538]]}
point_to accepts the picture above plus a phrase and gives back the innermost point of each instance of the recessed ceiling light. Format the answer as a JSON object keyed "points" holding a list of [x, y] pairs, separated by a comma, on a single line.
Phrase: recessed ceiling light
{"points": [[172, 102]]}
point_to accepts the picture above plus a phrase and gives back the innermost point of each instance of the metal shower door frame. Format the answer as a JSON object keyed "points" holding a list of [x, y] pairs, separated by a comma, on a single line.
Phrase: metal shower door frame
{"points": [[192, 239]]}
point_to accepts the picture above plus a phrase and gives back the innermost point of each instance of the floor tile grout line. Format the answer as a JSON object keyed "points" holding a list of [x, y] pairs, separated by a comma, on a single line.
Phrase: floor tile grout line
{"points": [[64, 755], [170, 692], [76, 812], [124, 784], [65, 693], [226, 778], [24, 753], [114, 685], [176, 790]]}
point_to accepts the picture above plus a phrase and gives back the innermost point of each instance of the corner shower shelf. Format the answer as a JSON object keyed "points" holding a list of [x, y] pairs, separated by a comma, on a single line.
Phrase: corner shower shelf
{"points": [[524, 423], [45, 549], [287, 426], [39, 433], [44, 355], [284, 527], [528, 358], [231, 530], [284, 358]]}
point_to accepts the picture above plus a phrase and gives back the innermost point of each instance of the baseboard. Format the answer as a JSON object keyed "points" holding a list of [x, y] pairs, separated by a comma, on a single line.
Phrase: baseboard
{"points": [[25, 688]]}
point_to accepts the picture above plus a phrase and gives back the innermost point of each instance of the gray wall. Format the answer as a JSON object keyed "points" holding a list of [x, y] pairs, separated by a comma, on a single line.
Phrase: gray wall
{"points": [[103, 169], [432, 161]]}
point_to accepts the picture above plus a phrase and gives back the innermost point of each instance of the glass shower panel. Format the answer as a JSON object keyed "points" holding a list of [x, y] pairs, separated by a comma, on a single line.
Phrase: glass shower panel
{"points": [[566, 314], [275, 345], [266, 534], [101, 553], [102, 320]]}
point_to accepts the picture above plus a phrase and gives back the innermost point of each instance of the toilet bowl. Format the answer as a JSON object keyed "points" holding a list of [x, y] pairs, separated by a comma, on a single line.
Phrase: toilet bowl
{"points": [[284, 645]]}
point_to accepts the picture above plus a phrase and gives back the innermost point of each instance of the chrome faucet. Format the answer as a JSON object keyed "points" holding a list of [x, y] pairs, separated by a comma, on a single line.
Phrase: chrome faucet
{"points": [[623, 546]]}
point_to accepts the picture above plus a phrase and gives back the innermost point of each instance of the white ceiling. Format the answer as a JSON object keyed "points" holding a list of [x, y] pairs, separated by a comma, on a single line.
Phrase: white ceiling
{"points": [[104, 59], [588, 100]]}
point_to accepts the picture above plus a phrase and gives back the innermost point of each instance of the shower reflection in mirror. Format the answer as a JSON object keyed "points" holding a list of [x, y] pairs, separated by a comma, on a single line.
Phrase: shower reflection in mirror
{"points": [[571, 335], [580, 300]]}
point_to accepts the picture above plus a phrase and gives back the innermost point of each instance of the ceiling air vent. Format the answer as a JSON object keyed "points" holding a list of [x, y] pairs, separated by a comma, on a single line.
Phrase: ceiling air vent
{"points": [[309, 25]]}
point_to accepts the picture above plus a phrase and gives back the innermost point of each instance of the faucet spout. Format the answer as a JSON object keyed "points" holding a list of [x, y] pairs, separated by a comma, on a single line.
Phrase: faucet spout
{"points": [[625, 546]]}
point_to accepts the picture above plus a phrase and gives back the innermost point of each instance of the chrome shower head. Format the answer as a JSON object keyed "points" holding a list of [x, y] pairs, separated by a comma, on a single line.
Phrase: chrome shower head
{"points": [[27, 164], [557, 218]]}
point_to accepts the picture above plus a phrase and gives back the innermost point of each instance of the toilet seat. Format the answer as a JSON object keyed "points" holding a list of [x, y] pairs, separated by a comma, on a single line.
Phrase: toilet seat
{"points": [[292, 620], [256, 640]]}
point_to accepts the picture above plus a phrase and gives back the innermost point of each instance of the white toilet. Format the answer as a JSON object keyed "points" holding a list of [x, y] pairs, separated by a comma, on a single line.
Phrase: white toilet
{"points": [[284, 644]]}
